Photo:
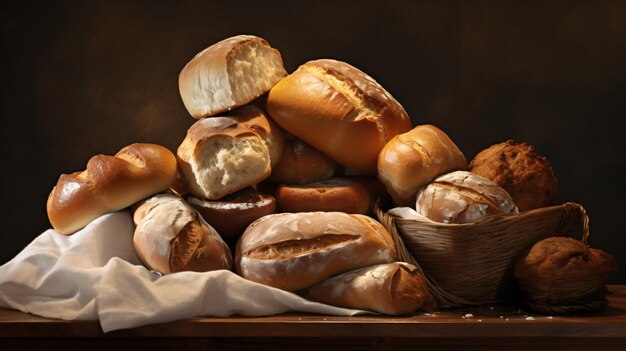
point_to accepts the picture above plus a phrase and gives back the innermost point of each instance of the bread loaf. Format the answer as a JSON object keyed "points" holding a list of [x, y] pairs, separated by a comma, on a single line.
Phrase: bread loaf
{"points": [[335, 194], [521, 171], [232, 214], [221, 155], [411, 160], [463, 197], [338, 110], [391, 288], [109, 184], [228, 74], [300, 163], [292, 251], [171, 237]]}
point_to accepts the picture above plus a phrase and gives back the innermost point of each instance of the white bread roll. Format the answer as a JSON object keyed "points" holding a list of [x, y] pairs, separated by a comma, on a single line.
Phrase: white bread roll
{"points": [[334, 194], [463, 197], [293, 251], [171, 237], [391, 288], [221, 155], [301, 163], [338, 110], [228, 74], [109, 184], [411, 160], [232, 214]]}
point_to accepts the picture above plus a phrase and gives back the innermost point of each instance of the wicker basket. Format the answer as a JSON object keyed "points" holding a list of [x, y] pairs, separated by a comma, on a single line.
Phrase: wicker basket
{"points": [[472, 264]]}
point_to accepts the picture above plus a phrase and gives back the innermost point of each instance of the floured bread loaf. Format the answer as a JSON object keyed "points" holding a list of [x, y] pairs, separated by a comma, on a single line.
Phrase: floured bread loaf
{"points": [[463, 197], [292, 251], [392, 288], [228, 74], [171, 237], [221, 155]]}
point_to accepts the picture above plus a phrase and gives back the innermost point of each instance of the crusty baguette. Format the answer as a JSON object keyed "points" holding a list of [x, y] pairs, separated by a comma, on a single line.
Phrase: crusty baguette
{"points": [[334, 194], [109, 184], [292, 251]]}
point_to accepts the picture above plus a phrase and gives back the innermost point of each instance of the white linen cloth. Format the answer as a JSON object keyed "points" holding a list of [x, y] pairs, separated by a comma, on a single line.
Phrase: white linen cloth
{"points": [[95, 274]]}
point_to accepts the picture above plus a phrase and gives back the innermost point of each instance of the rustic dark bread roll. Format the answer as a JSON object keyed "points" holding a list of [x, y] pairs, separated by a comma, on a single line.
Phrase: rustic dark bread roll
{"points": [[335, 194], [300, 163], [561, 271], [171, 237], [229, 74], [232, 214], [463, 197], [338, 110], [521, 171], [392, 288], [411, 160], [221, 155], [109, 184], [293, 251]]}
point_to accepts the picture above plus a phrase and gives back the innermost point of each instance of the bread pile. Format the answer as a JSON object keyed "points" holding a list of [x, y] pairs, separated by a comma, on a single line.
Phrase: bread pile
{"points": [[263, 173]]}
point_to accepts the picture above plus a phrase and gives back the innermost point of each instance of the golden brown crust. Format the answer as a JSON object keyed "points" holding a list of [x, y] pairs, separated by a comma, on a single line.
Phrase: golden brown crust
{"points": [[411, 160], [231, 215], [335, 194], [292, 251], [300, 163], [330, 104], [521, 171], [109, 184], [393, 288]]}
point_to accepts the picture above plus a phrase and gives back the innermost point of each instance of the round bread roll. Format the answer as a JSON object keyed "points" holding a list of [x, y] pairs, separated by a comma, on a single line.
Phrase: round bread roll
{"points": [[463, 197], [171, 237], [338, 110], [335, 194], [392, 288], [521, 171], [221, 155], [228, 74], [232, 214], [411, 160], [293, 251], [109, 184], [300, 164], [563, 271]]}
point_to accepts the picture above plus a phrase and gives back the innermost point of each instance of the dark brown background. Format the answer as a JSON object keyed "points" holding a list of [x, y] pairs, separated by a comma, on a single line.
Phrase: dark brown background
{"points": [[81, 78]]}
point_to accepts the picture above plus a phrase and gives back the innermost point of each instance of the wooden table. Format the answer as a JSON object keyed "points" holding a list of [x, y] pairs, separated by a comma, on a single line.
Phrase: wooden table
{"points": [[492, 327]]}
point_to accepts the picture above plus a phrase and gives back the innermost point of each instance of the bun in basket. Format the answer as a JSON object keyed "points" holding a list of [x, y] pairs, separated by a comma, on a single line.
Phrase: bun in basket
{"points": [[109, 184], [411, 160], [463, 197], [335, 194], [393, 288], [293, 251], [338, 110], [564, 272], [221, 155], [232, 214], [229, 74], [171, 237], [521, 171]]}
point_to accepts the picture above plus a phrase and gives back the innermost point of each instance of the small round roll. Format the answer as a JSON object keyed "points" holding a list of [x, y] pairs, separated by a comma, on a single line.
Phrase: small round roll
{"points": [[109, 184], [338, 110], [411, 160], [171, 237], [392, 288], [335, 194], [463, 197], [292, 251], [232, 214], [300, 163]]}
